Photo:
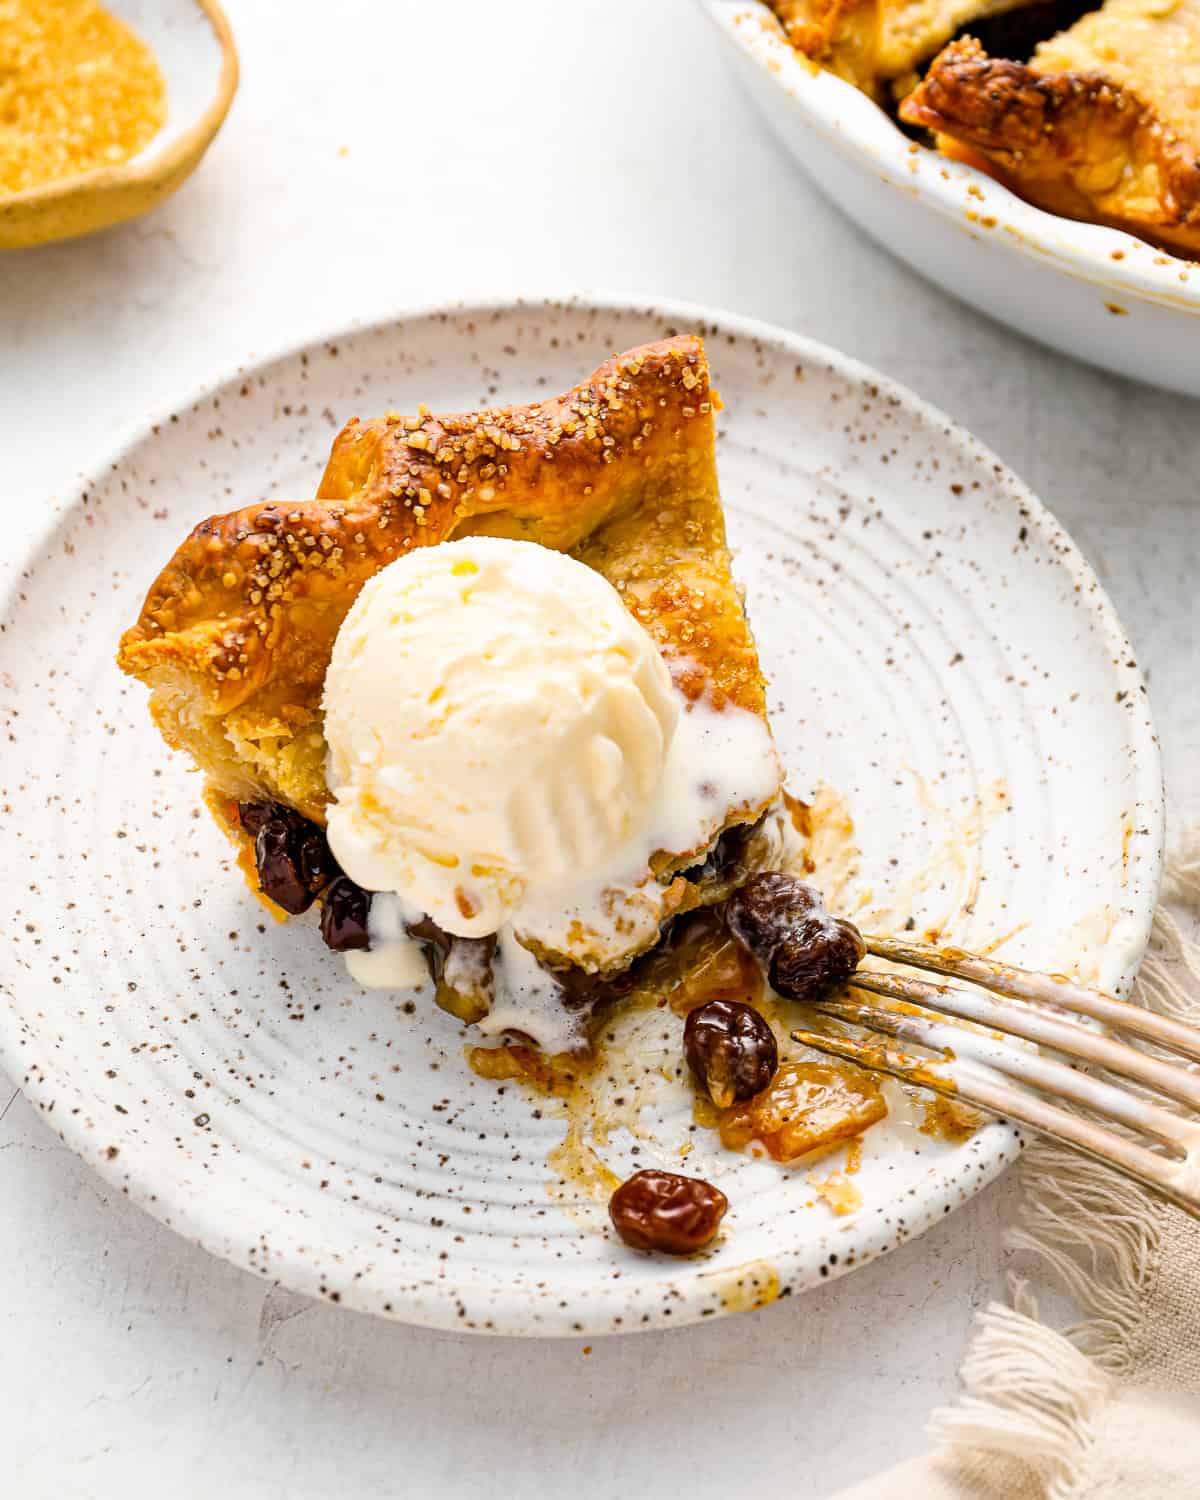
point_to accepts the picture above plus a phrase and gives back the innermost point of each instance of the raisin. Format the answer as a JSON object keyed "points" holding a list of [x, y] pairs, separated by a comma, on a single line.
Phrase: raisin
{"points": [[784, 924], [731, 1050], [820, 953], [253, 815], [279, 876], [345, 907], [583, 992], [725, 859], [292, 854], [663, 1211], [764, 910], [315, 859], [426, 930]]}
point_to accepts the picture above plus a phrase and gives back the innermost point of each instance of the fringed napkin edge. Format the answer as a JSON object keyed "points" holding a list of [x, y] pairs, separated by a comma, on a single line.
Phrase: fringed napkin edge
{"points": [[1033, 1392]]}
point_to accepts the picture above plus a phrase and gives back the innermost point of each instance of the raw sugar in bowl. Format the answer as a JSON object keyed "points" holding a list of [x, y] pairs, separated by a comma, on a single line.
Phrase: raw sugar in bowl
{"points": [[170, 72]]}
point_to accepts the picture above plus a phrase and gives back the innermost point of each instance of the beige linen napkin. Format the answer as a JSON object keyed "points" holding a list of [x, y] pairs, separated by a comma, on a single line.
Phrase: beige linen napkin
{"points": [[1108, 1408]]}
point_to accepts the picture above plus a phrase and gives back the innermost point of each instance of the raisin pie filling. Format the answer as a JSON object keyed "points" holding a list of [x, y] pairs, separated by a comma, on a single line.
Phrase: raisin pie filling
{"points": [[1086, 110], [494, 982], [803, 951]]}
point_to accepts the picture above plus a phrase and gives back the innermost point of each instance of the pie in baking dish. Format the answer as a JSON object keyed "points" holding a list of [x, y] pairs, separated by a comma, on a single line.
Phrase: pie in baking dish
{"points": [[877, 44], [1102, 124], [1093, 116]]}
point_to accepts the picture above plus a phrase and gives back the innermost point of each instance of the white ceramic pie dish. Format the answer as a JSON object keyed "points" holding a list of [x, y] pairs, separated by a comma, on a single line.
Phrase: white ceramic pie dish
{"points": [[939, 653], [1095, 293]]}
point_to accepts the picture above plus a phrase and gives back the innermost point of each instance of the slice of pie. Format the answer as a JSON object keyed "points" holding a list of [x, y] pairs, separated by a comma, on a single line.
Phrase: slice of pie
{"points": [[1102, 124], [236, 636]]}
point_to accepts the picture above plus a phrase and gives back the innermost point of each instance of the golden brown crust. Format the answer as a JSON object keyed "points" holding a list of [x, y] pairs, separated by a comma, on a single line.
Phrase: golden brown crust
{"points": [[841, 35], [872, 43], [1077, 144], [235, 634]]}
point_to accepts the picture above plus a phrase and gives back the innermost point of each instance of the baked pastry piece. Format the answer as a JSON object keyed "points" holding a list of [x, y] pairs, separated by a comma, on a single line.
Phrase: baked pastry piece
{"points": [[878, 44], [1103, 124], [236, 633]]}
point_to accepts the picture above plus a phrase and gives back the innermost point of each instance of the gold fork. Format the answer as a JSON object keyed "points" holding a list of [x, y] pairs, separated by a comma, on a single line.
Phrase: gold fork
{"points": [[979, 1062]]}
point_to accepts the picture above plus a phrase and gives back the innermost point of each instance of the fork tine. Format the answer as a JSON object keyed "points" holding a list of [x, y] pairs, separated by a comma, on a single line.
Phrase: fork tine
{"points": [[1049, 989], [1024, 1064], [1037, 1026], [960, 1078]]}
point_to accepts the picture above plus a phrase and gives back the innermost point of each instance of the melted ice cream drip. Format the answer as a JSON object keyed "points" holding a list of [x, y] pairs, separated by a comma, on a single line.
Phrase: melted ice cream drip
{"points": [[529, 999], [394, 960], [720, 760]]}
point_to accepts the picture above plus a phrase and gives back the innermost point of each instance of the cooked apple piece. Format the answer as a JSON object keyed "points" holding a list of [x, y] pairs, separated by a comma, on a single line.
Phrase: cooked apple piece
{"points": [[806, 1107]]}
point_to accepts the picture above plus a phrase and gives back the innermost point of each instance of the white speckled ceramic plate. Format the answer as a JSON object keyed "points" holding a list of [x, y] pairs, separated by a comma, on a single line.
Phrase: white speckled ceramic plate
{"points": [[940, 657]]}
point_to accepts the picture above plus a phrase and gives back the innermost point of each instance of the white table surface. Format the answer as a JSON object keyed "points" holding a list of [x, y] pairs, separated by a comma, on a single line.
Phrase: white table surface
{"points": [[396, 153]]}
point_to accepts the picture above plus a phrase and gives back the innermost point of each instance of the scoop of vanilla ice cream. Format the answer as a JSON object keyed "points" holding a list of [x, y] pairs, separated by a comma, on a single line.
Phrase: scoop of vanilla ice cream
{"points": [[497, 720]]}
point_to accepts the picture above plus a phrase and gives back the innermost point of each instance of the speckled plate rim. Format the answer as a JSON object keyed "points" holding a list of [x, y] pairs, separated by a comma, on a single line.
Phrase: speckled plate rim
{"points": [[695, 1292], [853, 124]]}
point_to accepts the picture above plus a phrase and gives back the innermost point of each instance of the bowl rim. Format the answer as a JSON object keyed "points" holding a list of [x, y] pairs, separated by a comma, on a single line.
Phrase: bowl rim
{"points": [[150, 165], [1115, 260], [693, 1287]]}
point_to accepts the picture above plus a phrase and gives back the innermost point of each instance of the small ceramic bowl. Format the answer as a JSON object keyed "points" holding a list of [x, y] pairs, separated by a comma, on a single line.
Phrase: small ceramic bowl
{"points": [[1095, 293], [193, 43]]}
